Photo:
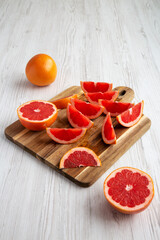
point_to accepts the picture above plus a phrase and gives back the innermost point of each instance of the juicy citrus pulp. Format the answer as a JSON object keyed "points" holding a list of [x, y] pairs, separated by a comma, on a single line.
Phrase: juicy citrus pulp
{"points": [[90, 110], [108, 133], [129, 190], [64, 135], [94, 97], [79, 157], [36, 115], [96, 86]]}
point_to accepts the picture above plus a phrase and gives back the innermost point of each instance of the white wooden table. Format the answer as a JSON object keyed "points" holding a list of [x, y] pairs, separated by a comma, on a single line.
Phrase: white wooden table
{"points": [[114, 41]]}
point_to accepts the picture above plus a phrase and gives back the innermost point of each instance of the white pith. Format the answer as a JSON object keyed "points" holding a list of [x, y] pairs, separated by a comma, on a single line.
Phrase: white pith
{"points": [[125, 208]]}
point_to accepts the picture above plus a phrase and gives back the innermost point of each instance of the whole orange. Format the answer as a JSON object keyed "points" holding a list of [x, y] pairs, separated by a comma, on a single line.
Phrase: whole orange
{"points": [[41, 70]]}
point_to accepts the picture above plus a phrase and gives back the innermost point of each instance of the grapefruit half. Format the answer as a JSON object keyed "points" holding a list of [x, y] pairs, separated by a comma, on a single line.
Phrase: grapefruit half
{"points": [[108, 133], [79, 157], [37, 115], [131, 116], [90, 110], [115, 108], [64, 135], [77, 119], [63, 102], [96, 86], [95, 96], [129, 190]]}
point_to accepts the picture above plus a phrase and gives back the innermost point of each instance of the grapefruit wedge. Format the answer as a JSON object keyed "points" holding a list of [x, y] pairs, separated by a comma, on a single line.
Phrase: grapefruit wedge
{"points": [[115, 108], [37, 115], [131, 116], [96, 86], [63, 102], [79, 157], [108, 133], [95, 96], [77, 119], [64, 135], [129, 190], [90, 110]]}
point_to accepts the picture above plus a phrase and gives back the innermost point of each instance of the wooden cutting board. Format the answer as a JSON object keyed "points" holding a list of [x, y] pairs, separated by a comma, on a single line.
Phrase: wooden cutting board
{"points": [[49, 152]]}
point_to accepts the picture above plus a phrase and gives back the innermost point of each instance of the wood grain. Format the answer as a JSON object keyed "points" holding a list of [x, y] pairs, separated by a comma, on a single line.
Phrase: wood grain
{"points": [[49, 152]]}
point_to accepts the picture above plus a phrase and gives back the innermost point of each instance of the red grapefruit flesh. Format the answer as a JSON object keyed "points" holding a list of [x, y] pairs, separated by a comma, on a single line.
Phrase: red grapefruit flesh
{"points": [[79, 157], [77, 119], [90, 110], [108, 133], [131, 116], [63, 102], [129, 190], [115, 108], [64, 135], [37, 115], [94, 97], [96, 86]]}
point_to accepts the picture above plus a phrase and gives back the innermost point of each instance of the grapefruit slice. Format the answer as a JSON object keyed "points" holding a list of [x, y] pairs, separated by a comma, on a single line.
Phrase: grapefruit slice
{"points": [[115, 108], [96, 86], [79, 157], [63, 102], [64, 135], [129, 190], [37, 115], [95, 96], [108, 133], [77, 119], [90, 110], [131, 116]]}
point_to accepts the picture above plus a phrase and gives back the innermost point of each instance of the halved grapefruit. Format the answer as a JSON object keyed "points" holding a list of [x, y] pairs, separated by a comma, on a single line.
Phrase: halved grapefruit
{"points": [[77, 119], [108, 133], [37, 115], [131, 116], [94, 97], [63, 102], [90, 110], [79, 157], [96, 86], [66, 135], [115, 108], [129, 190]]}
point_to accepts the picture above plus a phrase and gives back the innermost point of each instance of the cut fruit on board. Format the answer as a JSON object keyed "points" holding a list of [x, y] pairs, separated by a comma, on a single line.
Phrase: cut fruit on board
{"points": [[94, 97], [77, 119], [115, 108], [64, 135], [131, 116], [90, 110], [79, 157], [63, 102], [108, 133], [96, 86], [37, 115], [129, 190]]}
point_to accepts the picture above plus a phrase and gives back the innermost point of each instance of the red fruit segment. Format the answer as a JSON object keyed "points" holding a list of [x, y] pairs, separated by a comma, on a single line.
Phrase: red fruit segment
{"points": [[79, 157], [96, 86], [131, 116], [129, 190], [77, 119], [108, 133], [115, 108], [63, 102], [94, 97], [66, 136], [91, 111]]}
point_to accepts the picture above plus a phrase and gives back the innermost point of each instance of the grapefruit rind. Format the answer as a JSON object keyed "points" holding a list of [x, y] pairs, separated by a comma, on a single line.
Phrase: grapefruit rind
{"points": [[101, 109], [57, 140], [63, 102], [130, 124], [73, 124], [125, 209], [95, 83], [65, 156], [113, 97], [37, 125], [112, 141]]}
